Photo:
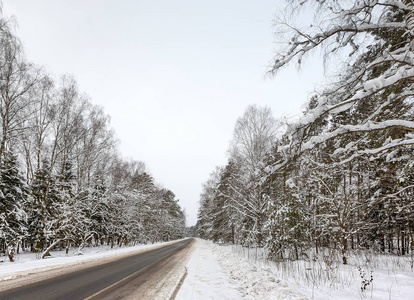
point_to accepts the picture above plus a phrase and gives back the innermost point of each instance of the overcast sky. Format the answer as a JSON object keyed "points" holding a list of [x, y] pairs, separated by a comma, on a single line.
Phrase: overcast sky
{"points": [[174, 75]]}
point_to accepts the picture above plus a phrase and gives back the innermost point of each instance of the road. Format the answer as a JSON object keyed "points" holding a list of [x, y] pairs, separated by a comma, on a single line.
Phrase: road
{"points": [[141, 276]]}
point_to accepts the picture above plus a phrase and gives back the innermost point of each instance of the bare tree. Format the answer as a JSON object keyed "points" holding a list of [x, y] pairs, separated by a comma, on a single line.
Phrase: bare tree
{"points": [[254, 136], [35, 138], [17, 78]]}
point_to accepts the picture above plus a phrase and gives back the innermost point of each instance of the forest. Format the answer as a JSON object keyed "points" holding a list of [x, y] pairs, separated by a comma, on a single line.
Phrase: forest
{"points": [[340, 176], [63, 182]]}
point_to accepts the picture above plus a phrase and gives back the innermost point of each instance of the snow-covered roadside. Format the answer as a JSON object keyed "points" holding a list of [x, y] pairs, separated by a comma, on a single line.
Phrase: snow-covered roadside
{"points": [[205, 278], [28, 263], [327, 278], [216, 273]]}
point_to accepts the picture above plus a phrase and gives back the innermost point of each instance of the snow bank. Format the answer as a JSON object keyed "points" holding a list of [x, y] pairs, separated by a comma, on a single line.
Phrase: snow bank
{"points": [[233, 272], [206, 279], [325, 277], [216, 273], [256, 282]]}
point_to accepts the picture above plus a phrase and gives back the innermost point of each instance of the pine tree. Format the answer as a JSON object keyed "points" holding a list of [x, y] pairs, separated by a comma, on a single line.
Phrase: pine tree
{"points": [[13, 197], [43, 207], [98, 210]]}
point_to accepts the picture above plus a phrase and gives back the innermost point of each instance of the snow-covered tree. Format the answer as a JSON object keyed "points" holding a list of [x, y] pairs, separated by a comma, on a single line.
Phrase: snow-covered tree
{"points": [[341, 176], [254, 135], [205, 216], [17, 78], [376, 80], [13, 197], [366, 113]]}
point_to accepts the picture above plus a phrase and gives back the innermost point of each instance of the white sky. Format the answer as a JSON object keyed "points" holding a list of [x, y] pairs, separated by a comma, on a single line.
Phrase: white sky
{"points": [[174, 75]]}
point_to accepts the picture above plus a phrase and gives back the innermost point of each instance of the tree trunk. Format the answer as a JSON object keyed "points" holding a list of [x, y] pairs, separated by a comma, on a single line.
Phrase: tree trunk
{"points": [[344, 249], [67, 248], [46, 252], [410, 21]]}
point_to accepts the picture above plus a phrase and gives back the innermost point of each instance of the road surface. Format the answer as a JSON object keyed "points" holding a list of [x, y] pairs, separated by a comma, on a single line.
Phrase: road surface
{"points": [[148, 275]]}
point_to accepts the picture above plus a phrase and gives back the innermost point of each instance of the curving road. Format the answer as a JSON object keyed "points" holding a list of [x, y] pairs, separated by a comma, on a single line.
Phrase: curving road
{"points": [[134, 277]]}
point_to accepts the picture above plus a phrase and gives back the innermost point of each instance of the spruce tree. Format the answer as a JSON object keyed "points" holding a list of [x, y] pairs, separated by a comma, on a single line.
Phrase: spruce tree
{"points": [[13, 196], [43, 208]]}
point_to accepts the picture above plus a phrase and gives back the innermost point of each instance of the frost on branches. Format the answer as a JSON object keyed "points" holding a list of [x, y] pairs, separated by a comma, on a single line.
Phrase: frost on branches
{"points": [[373, 94], [342, 175]]}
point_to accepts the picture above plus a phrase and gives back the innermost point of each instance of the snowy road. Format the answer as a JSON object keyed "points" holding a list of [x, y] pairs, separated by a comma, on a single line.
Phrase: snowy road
{"points": [[142, 274]]}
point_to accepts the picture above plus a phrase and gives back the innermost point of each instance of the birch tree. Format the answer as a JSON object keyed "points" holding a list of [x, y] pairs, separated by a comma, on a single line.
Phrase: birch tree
{"points": [[253, 137], [17, 78]]}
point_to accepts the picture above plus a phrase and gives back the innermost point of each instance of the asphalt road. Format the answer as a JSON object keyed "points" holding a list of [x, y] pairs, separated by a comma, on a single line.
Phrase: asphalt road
{"points": [[104, 280]]}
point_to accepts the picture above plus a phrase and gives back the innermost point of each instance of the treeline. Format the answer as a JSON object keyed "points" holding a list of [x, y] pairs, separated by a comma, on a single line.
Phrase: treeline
{"points": [[62, 181], [342, 175]]}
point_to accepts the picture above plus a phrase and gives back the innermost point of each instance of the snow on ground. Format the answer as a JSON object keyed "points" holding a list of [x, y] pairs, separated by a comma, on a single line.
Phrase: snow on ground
{"points": [[27, 261], [206, 279], [391, 278], [234, 272], [327, 278], [385, 285], [216, 273]]}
